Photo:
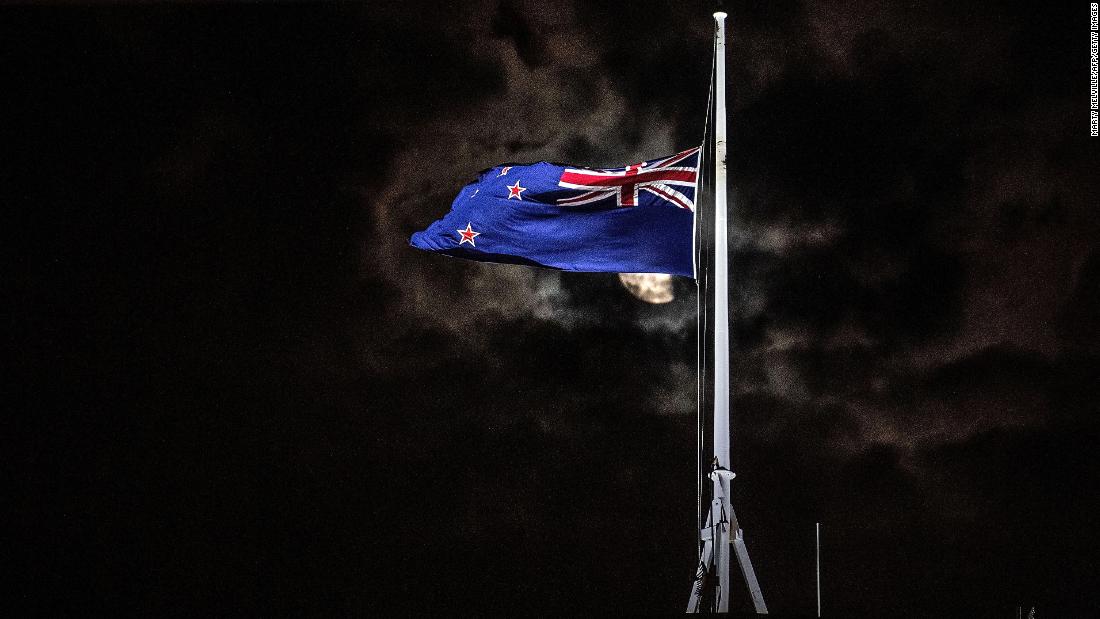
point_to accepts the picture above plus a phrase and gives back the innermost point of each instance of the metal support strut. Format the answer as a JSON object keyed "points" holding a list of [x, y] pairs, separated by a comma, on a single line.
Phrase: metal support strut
{"points": [[721, 531]]}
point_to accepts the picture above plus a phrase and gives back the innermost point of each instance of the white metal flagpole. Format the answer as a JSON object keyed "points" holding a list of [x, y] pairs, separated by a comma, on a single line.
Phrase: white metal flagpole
{"points": [[721, 434], [722, 529], [722, 478], [721, 263]]}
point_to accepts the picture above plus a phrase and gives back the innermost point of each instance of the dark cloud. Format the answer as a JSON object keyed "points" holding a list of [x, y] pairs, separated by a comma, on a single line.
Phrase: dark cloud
{"points": [[245, 391], [509, 21], [1079, 322]]}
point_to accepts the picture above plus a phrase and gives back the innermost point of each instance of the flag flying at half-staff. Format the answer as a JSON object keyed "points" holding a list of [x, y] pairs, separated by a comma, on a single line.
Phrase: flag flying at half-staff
{"points": [[634, 219]]}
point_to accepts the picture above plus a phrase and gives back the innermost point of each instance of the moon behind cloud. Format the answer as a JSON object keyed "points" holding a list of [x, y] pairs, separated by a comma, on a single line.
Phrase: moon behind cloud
{"points": [[649, 287]]}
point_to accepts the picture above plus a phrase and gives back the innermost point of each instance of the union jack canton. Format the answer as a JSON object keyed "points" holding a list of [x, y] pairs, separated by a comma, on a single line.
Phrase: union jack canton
{"points": [[672, 179]]}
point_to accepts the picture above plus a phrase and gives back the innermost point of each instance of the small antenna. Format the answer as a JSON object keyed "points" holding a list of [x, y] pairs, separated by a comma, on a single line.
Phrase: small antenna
{"points": [[817, 557]]}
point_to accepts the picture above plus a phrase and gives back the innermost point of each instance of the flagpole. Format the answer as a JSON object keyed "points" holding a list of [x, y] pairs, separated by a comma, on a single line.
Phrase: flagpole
{"points": [[723, 531], [721, 434]]}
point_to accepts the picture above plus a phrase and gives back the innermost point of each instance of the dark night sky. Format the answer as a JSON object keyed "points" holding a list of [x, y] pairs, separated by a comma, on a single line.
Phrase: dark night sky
{"points": [[240, 392]]}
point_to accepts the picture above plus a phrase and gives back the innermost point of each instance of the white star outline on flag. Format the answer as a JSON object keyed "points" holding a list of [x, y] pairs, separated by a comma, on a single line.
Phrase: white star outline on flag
{"points": [[467, 235], [514, 191]]}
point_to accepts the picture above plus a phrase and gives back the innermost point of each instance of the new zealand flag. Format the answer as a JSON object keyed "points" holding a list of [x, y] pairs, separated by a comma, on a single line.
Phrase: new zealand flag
{"points": [[634, 219]]}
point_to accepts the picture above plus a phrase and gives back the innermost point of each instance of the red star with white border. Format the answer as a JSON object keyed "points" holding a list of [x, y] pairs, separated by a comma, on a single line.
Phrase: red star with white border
{"points": [[467, 235], [515, 190]]}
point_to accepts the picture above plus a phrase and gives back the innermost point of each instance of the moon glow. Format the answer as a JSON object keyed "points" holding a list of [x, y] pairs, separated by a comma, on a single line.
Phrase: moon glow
{"points": [[649, 287]]}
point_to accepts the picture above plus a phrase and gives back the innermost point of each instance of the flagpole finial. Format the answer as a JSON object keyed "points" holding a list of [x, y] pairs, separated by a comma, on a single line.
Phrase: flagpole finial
{"points": [[719, 15]]}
